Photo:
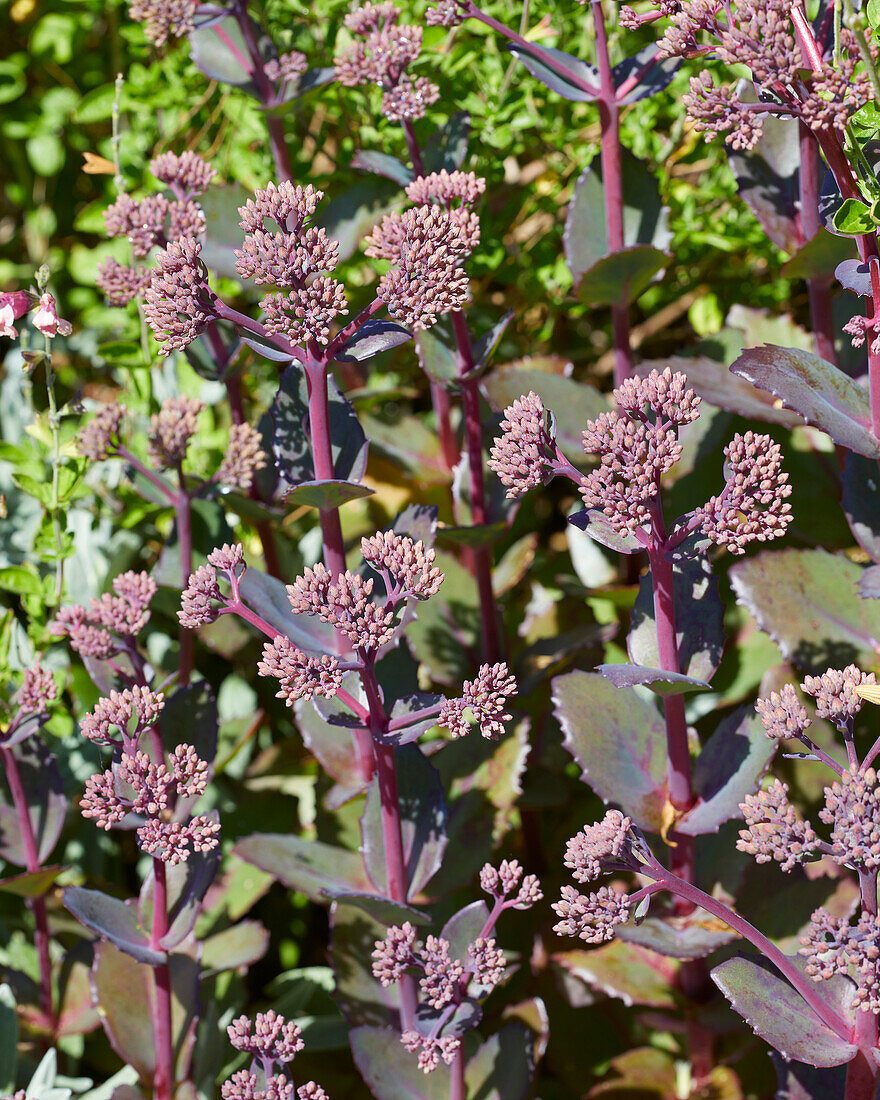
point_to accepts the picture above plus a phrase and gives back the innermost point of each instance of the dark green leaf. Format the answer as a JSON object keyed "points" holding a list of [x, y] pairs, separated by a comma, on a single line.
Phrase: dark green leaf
{"points": [[621, 277], [326, 495], [853, 218], [113, 920]]}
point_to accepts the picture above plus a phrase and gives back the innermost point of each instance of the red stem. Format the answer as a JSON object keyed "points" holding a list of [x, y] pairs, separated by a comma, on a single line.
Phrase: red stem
{"points": [[819, 289], [37, 905], [612, 183], [473, 435], [457, 1089], [163, 1081], [415, 154], [184, 537], [448, 444]]}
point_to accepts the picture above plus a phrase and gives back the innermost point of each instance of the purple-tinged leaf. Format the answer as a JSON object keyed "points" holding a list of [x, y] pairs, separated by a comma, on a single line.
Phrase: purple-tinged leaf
{"points": [[266, 348], [383, 910], [729, 767], [599, 527], [447, 147], [382, 164], [541, 61], [652, 74], [219, 51], [316, 869], [113, 920], [855, 276], [267, 596], [372, 338], [715, 384], [351, 214], [419, 522], [293, 89], [438, 358], [47, 806], [699, 621], [691, 937], [487, 344], [816, 390], [645, 218], [819, 257], [331, 744], [767, 177], [361, 999], [27, 727], [869, 583], [234, 948], [808, 602], [621, 276], [326, 495], [76, 1013], [573, 403], [659, 681], [465, 1017], [503, 1066], [618, 740], [779, 1015], [32, 885], [124, 992], [861, 502], [800, 1082], [484, 534], [630, 973], [423, 817], [464, 927], [405, 705], [190, 718]]}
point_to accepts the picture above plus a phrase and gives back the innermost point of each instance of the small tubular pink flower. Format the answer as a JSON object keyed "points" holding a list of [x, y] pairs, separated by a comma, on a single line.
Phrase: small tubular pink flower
{"points": [[13, 304], [288, 205], [446, 188], [300, 676], [345, 604], [663, 393], [852, 808], [187, 771], [307, 312], [46, 319]]}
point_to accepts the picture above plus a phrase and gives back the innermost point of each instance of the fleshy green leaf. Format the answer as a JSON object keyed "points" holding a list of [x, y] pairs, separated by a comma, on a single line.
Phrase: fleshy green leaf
{"points": [[621, 276], [112, 920], [327, 495]]}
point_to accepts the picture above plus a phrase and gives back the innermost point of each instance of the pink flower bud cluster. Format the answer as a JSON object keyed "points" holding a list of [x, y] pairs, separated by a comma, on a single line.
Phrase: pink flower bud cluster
{"points": [[427, 246], [523, 455], [381, 53], [164, 19], [38, 689], [501, 882], [833, 945], [483, 701], [287, 67], [456, 193], [447, 13], [300, 675], [171, 430], [203, 592], [273, 1043], [99, 439], [243, 459], [296, 257], [774, 831], [110, 623], [179, 304]]}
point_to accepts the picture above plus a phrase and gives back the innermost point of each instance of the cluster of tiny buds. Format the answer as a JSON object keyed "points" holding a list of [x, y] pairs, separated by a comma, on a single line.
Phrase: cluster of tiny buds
{"points": [[523, 455], [121, 717], [272, 1042], [837, 696], [483, 701], [447, 13], [833, 945], [501, 882], [380, 54], [179, 305], [287, 67], [111, 622], [164, 19], [38, 689], [202, 593]]}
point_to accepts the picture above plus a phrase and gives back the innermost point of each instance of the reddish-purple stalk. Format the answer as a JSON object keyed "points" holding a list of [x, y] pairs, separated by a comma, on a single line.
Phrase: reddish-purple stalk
{"points": [[457, 1087], [33, 864], [481, 556], [163, 1080], [612, 184], [819, 287], [183, 508]]}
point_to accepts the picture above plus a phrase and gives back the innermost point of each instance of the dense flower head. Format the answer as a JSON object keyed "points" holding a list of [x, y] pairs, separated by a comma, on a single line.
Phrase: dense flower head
{"points": [[269, 1036], [171, 430], [287, 66], [442, 974], [300, 675], [287, 204], [243, 458], [409, 99], [306, 313], [835, 693], [833, 945], [37, 691], [173, 842], [110, 622], [371, 17], [122, 716], [501, 882], [285, 259], [446, 188], [187, 173], [523, 454], [597, 847], [164, 19], [774, 831], [852, 809], [179, 305], [446, 13], [141, 222], [483, 700], [394, 954], [381, 53], [431, 1049], [346, 603], [486, 961], [662, 393], [783, 714], [406, 566], [198, 599], [120, 284], [99, 438], [753, 505], [591, 917]]}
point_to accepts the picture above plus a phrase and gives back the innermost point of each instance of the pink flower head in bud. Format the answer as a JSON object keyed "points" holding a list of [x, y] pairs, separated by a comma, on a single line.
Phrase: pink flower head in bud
{"points": [[171, 430], [446, 188], [123, 716], [783, 714], [371, 17], [307, 313], [380, 57], [835, 946], [395, 954], [409, 99], [753, 505], [289, 206], [346, 605], [311, 1091], [243, 458], [199, 597], [13, 304], [439, 985], [486, 961], [120, 284], [485, 698], [523, 454], [285, 259], [446, 13], [269, 1037], [289, 67], [852, 808], [506, 879], [774, 830], [100, 437], [659, 396], [597, 848], [139, 588], [37, 691], [179, 304], [431, 1050], [86, 639], [142, 222], [406, 566], [300, 676], [164, 19], [173, 842], [46, 319], [187, 174], [835, 693], [590, 917]]}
